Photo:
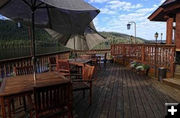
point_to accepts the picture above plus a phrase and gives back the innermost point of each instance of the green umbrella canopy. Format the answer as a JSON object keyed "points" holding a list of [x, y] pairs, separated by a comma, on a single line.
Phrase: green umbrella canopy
{"points": [[86, 41], [63, 16]]}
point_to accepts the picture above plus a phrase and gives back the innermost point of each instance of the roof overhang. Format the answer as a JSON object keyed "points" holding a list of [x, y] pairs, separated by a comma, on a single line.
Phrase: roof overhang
{"points": [[166, 10]]}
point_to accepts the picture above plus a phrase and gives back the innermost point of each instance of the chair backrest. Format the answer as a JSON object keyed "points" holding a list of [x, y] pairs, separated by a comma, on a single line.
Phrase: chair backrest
{"points": [[52, 60], [24, 70], [63, 66], [88, 72], [105, 56], [53, 98], [85, 56], [63, 56]]}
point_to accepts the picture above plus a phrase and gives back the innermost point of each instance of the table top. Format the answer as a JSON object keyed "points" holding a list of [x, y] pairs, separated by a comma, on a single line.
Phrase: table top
{"points": [[79, 61], [25, 83]]}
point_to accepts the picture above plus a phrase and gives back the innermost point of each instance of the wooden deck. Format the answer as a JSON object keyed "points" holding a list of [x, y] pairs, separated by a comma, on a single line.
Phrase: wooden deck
{"points": [[121, 93]]}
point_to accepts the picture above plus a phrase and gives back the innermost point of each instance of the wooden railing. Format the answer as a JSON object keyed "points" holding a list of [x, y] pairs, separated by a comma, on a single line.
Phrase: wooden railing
{"points": [[155, 55], [6, 66], [98, 51], [23, 48]]}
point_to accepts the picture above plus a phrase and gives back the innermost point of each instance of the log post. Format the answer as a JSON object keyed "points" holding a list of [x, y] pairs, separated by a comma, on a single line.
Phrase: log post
{"points": [[177, 35], [169, 31]]}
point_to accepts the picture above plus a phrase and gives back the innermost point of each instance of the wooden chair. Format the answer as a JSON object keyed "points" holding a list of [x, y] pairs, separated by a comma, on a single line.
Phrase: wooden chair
{"points": [[96, 61], [86, 82], [53, 100], [63, 67], [52, 63], [24, 70]]}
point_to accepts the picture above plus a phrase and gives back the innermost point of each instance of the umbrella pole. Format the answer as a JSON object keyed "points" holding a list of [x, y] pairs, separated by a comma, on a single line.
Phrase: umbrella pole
{"points": [[33, 47], [74, 47]]}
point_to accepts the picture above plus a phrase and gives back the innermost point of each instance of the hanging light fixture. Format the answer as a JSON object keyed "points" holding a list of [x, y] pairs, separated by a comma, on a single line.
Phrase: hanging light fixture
{"points": [[156, 36], [128, 26]]}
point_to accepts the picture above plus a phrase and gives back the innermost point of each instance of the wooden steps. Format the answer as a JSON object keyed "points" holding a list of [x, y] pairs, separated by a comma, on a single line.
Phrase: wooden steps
{"points": [[175, 83], [177, 72]]}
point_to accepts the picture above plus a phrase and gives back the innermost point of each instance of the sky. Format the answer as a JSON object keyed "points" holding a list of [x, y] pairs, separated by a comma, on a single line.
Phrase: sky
{"points": [[115, 15]]}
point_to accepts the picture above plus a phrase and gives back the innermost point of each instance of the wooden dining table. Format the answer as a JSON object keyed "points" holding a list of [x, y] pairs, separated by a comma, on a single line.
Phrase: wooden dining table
{"points": [[23, 85], [79, 61]]}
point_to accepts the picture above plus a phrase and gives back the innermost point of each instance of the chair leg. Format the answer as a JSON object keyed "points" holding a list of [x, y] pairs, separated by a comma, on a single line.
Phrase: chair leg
{"points": [[13, 106], [9, 108], [31, 103], [90, 96], [69, 114], [19, 99], [83, 93], [24, 103]]}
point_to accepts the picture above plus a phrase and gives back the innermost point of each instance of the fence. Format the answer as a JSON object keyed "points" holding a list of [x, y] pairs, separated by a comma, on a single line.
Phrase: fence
{"points": [[97, 51], [23, 48], [155, 55], [7, 66]]}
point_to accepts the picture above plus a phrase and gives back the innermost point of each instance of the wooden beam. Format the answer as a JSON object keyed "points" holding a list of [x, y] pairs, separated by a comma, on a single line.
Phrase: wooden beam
{"points": [[155, 14], [169, 31], [177, 35], [172, 7]]}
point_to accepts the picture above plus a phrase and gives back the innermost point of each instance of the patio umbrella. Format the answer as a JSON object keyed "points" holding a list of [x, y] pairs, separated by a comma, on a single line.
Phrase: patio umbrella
{"points": [[64, 16], [86, 41]]}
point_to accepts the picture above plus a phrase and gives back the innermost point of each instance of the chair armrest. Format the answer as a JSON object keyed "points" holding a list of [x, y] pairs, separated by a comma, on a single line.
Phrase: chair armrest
{"points": [[80, 80], [52, 64]]}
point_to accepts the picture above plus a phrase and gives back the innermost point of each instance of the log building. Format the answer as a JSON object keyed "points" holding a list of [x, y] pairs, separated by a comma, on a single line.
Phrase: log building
{"points": [[169, 12]]}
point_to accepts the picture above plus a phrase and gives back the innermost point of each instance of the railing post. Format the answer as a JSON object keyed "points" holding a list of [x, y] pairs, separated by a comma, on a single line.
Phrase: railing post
{"points": [[0, 72], [112, 50], [155, 66], [172, 62], [124, 53], [143, 53]]}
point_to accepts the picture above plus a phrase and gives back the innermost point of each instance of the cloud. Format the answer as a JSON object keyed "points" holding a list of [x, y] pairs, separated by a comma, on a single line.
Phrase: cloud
{"points": [[145, 28], [98, 1], [107, 11], [116, 6], [122, 5], [96, 21], [115, 14], [161, 1]]}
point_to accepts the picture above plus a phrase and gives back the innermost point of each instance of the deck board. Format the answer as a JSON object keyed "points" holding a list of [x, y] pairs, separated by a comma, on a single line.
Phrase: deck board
{"points": [[119, 92]]}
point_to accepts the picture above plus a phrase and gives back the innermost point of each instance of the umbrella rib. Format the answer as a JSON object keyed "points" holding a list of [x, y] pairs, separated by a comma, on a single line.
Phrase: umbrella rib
{"points": [[38, 6], [68, 38], [97, 32], [34, 4], [50, 24], [27, 3], [5, 4]]}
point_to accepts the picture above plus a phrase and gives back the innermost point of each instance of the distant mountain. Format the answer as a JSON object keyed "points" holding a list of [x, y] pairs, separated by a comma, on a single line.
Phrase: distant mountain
{"points": [[15, 41], [10, 31], [115, 38]]}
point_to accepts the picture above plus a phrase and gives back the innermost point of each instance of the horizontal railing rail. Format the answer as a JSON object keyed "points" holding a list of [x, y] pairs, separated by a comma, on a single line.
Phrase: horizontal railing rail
{"points": [[96, 51], [155, 55], [7, 66]]}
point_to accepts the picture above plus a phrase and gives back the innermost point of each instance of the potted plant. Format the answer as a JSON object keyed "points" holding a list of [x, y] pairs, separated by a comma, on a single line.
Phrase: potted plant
{"points": [[111, 59]]}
